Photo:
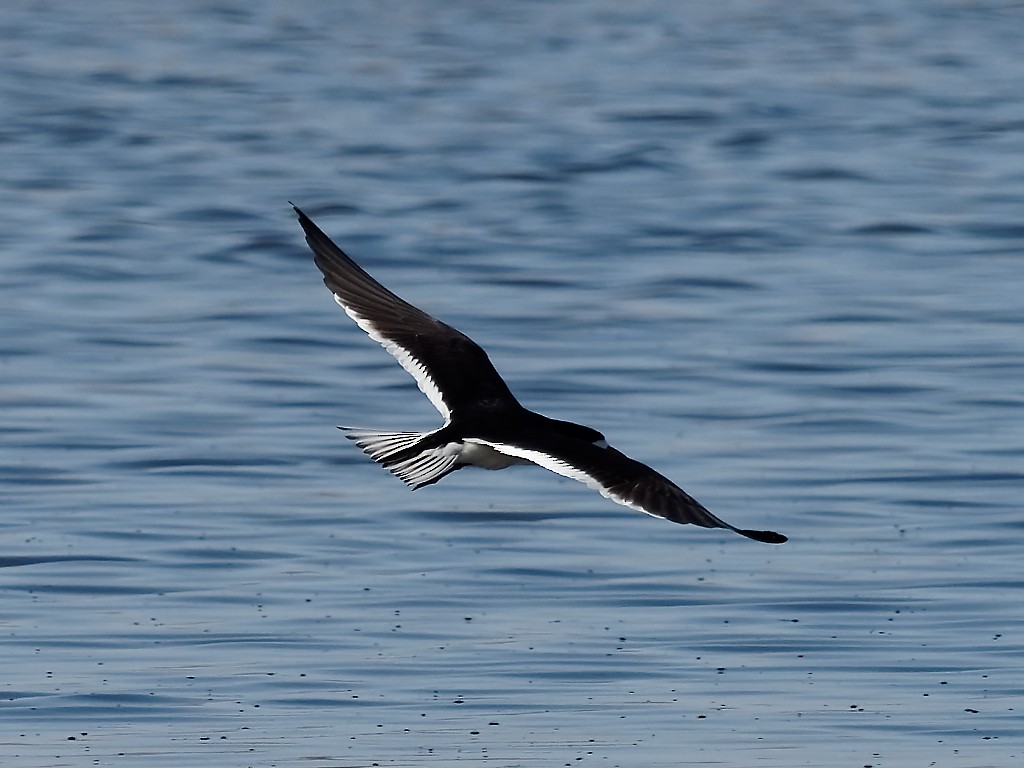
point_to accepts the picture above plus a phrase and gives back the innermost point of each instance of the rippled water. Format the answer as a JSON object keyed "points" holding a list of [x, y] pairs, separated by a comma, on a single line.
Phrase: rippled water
{"points": [[773, 249]]}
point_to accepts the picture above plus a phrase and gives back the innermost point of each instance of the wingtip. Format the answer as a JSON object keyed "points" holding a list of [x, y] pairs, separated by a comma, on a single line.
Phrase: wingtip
{"points": [[768, 537], [313, 233]]}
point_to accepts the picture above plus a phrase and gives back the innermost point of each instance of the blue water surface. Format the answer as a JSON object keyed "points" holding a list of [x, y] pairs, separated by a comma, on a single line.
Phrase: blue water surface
{"points": [[773, 249]]}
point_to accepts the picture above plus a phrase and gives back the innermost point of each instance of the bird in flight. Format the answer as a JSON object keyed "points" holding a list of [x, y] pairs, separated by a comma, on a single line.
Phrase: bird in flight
{"points": [[484, 424]]}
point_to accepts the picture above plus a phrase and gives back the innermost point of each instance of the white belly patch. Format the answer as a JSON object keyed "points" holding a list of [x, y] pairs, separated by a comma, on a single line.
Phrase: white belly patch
{"points": [[482, 456]]}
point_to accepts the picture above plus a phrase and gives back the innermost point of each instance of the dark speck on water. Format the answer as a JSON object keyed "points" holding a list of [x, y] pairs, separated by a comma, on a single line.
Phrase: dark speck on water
{"points": [[771, 249]]}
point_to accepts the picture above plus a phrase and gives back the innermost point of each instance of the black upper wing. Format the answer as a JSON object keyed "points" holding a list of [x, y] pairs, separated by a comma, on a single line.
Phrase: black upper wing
{"points": [[621, 479], [449, 367]]}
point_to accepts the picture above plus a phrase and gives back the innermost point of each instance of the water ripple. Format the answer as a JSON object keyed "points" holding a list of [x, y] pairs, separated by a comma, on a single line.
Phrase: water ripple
{"points": [[772, 250]]}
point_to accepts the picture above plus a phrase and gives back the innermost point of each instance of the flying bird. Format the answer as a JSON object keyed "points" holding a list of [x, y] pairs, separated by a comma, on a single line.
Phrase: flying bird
{"points": [[484, 424]]}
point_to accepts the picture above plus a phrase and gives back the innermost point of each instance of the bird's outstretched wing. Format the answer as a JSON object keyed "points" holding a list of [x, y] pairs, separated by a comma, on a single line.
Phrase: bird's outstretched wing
{"points": [[621, 479], [449, 367]]}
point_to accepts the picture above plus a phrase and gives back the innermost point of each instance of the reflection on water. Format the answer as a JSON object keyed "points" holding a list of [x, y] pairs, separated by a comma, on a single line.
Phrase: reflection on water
{"points": [[770, 250]]}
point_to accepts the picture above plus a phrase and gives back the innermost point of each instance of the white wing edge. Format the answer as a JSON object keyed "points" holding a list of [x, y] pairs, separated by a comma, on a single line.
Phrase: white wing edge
{"points": [[559, 467], [412, 366]]}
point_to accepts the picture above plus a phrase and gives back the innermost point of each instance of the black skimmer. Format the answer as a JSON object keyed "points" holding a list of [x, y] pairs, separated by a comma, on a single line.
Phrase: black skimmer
{"points": [[484, 424]]}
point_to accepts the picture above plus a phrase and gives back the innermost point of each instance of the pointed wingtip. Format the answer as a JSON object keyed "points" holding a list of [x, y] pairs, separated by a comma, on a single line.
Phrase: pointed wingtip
{"points": [[314, 235], [768, 537]]}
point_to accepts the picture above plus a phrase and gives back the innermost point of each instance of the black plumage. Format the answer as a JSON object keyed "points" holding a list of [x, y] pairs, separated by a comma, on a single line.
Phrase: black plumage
{"points": [[484, 424]]}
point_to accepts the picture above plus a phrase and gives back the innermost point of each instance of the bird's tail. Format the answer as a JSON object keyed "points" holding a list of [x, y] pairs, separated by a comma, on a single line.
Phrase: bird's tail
{"points": [[379, 445], [396, 452]]}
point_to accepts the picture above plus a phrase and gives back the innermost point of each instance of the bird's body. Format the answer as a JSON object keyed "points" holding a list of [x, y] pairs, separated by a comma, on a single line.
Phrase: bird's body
{"points": [[484, 425]]}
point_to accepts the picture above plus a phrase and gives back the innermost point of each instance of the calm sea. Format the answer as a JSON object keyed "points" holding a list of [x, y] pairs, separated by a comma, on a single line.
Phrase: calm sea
{"points": [[774, 249]]}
